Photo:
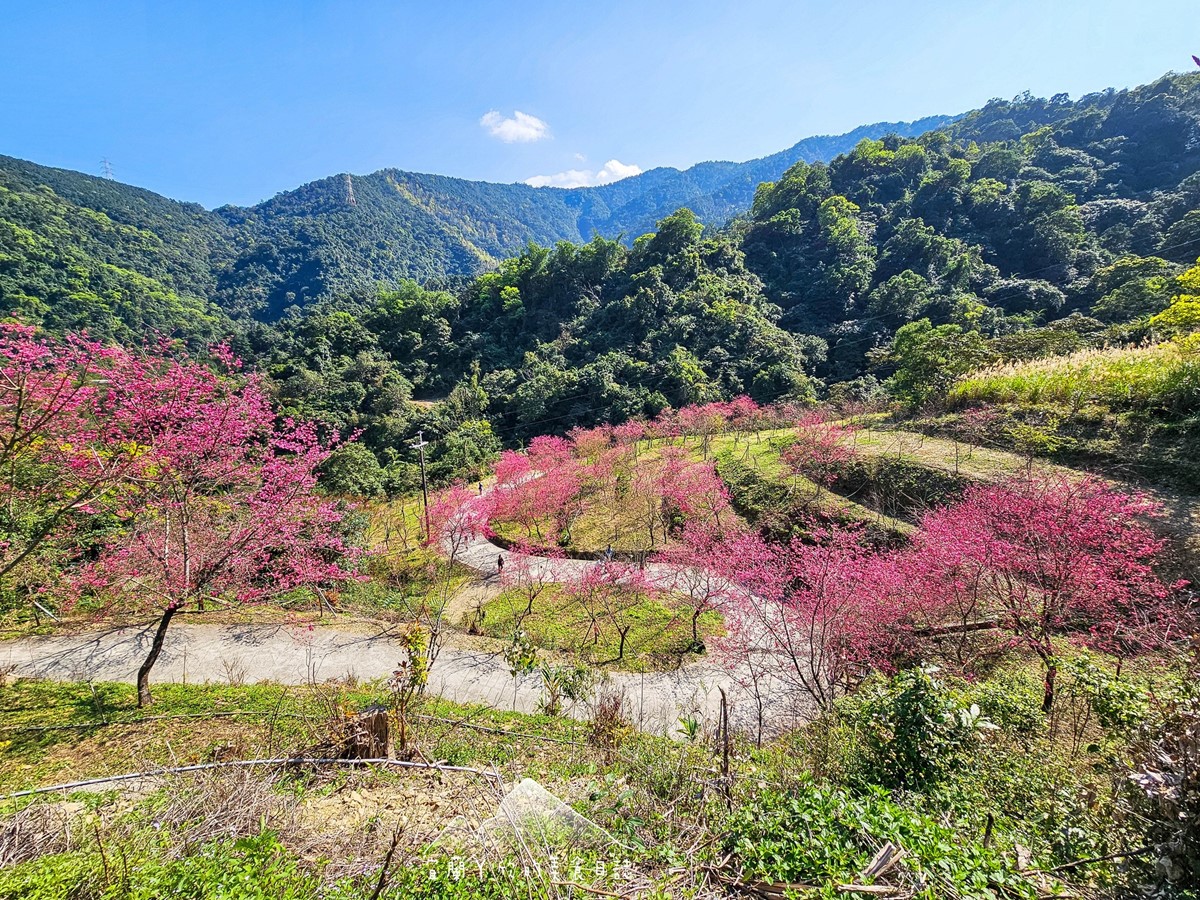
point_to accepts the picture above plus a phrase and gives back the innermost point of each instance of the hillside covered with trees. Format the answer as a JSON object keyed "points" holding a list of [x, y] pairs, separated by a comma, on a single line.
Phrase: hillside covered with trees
{"points": [[1026, 229], [835, 536], [341, 233]]}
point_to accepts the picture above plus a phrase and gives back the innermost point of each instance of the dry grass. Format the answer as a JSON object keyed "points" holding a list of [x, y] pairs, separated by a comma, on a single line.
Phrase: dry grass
{"points": [[40, 829], [955, 457], [1155, 377]]}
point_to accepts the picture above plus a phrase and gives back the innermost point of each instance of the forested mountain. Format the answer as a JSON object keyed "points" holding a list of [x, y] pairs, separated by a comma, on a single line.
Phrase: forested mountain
{"points": [[1023, 229], [81, 252], [714, 191], [1081, 207], [336, 235]]}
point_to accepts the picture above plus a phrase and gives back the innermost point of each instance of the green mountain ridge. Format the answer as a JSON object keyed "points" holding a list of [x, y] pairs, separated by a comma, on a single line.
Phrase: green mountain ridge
{"points": [[1028, 228], [312, 242]]}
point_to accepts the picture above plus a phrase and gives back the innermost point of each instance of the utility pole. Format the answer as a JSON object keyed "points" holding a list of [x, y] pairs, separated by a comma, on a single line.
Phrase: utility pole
{"points": [[420, 445]]}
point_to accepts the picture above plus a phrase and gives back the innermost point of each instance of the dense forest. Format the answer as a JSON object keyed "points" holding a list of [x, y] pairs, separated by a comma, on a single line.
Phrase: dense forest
{"points": [[1025, 229], [338, 234]]}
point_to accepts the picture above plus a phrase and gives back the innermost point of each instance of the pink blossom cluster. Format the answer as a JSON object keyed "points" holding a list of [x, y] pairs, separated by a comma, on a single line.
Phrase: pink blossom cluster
{"points": [[545, 489], [1036, 560], [203, 493], [821, 449]]}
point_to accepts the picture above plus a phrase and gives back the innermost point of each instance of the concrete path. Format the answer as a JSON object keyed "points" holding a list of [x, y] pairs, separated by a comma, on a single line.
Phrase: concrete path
{"points": [[197, 653], [468, 546]]}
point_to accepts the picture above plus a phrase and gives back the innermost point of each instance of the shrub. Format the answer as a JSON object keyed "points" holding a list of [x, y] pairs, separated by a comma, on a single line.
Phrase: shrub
{"points": [[1011, 701], [63, 876], [1166, 776], [823, 835], [913, 729], [250, 868]]}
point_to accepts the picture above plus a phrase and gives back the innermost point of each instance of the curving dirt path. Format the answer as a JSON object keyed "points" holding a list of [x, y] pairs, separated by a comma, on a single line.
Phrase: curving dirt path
{"points": [[198, 652]]}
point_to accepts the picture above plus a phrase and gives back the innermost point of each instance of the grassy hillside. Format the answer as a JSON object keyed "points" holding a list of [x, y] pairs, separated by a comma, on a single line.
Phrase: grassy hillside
{"points": [[1161, 377]]}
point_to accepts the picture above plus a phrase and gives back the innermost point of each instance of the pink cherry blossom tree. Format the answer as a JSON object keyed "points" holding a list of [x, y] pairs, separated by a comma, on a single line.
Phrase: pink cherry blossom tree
{"points": [[591, 443], [813, 617], [220, 502], [530, 572], [630, 435], [821, 449], [54, 460], [698, 582], [692, 490], [1053, 556], [610, 594]]}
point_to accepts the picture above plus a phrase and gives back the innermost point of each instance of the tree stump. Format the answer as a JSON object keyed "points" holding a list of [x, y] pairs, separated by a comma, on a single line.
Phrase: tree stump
{"points": [[367, 735]]}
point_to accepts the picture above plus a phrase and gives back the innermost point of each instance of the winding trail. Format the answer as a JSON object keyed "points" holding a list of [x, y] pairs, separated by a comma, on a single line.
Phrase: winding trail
{"points": [[197, 652]]}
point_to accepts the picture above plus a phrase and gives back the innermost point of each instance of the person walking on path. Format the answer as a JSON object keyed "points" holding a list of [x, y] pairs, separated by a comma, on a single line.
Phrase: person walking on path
{"points": [[499, 564]]}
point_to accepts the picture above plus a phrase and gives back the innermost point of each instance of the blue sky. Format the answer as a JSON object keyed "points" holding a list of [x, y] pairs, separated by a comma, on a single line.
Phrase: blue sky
{"points": [[231, 102]]}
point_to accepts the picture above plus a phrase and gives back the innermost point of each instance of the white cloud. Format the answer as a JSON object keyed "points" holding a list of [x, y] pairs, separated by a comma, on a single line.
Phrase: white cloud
{"points": [[613, 170], [521, 128]]}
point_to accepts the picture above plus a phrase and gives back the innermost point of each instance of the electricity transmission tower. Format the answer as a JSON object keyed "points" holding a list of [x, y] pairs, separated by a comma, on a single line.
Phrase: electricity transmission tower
{"points": [[106, 169], [350, 191]]}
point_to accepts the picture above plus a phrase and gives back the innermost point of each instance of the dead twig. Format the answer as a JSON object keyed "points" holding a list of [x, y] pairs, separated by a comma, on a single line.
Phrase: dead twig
{"points": [[387, 862], [244, 763], [583, 887], [1124, 854]]}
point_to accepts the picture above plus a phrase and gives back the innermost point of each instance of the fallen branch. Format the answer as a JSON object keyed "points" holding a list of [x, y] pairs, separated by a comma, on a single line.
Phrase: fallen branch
{"points": [[584, 887], [958, 628], [1124, 854], [767, 889], [246, 763], [387, 863], [889, 854]]}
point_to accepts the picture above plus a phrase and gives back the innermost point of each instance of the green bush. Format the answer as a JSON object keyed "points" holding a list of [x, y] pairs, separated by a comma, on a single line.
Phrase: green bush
{"points": [[912, 730], [250, 868], [63, 876], [1011, 701], [823, 836]]}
